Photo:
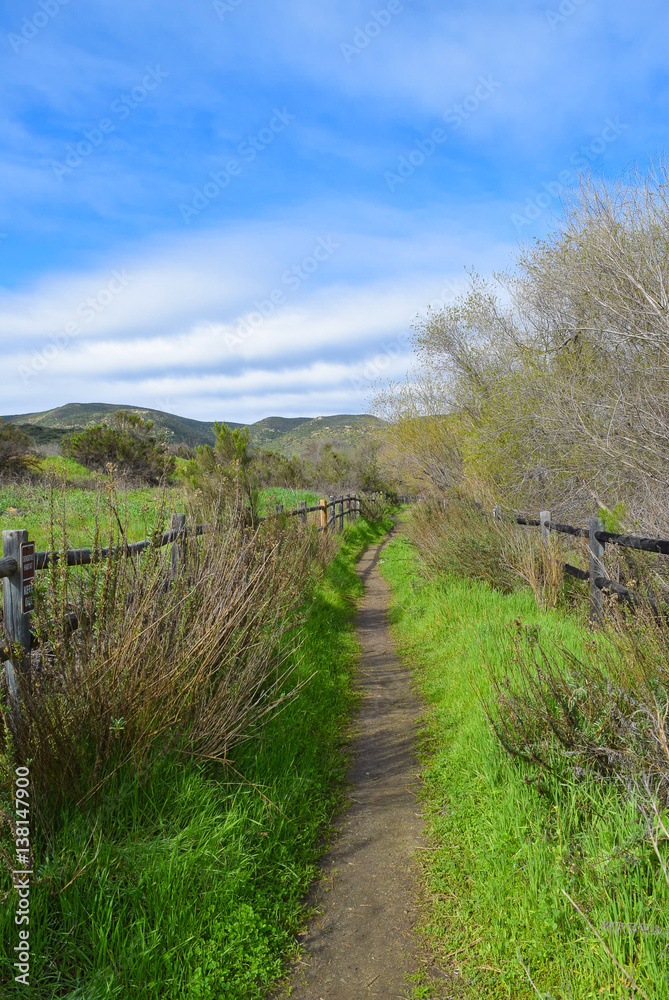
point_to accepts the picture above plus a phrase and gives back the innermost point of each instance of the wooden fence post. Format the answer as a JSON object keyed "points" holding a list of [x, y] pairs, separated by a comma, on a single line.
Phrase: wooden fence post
{"points": [[348, 510], [596, 569], [303, 511], [497, 513], [178, 523], [17, 623], [324, 513], [544, 518], [341, 512], [279, 508]]}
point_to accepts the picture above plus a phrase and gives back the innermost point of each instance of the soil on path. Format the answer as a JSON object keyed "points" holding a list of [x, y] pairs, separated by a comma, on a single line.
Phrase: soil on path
{"points": [[361, 945]]}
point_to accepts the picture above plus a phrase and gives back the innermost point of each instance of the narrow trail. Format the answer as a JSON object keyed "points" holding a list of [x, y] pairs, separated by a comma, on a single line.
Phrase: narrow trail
{"points": [[361, 944]]}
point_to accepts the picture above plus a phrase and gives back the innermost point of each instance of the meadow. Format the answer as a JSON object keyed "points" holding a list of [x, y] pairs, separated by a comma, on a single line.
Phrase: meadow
{"points": [[69, 500]]}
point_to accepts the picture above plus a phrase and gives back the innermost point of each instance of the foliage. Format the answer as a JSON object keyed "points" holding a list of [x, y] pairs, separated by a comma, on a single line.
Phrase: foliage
{"points": [[554, 375], [16, 454], [128, 443], [194, 664], [455, 537]]}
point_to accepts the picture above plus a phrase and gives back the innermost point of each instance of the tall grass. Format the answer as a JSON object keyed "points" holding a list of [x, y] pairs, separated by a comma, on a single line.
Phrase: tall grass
{"points": [[184, 880], [509, 838], [188, 656]]}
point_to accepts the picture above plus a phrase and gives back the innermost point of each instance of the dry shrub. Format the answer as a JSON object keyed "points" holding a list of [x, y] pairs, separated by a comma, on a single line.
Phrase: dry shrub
{"points": [[189, 659], [539, 563], [605, 711], [455, 536], [375, 508]]}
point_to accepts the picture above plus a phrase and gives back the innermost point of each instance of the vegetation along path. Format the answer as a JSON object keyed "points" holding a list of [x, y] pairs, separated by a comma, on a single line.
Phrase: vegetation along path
{"points": [[361, 943]]}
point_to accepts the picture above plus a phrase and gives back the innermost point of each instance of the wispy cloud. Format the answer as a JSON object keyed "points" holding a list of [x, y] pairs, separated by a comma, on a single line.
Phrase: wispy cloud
{"points": [[275, 127]]}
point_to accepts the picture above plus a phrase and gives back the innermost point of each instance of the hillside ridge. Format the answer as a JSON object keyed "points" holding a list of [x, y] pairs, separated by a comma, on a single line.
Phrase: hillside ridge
{"points": [[287, 435]]}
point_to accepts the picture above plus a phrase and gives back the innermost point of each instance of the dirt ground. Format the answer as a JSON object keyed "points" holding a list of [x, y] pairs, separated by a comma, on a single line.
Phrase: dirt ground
{"points": [[361, 944]]}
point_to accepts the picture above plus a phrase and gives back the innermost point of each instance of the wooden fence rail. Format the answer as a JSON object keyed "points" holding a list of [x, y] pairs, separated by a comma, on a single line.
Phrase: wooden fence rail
{"points": [[20, 562], [598, 539]]}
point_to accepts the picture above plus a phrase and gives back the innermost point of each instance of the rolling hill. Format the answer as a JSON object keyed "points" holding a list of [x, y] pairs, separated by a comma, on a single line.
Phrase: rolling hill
{"points": [[287, 435]]}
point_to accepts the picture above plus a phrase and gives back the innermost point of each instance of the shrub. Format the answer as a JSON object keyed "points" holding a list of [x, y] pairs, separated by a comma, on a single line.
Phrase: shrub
{"points": [[136, 659], [16, 455], [454, 536], [128, 443], [602, 712]]}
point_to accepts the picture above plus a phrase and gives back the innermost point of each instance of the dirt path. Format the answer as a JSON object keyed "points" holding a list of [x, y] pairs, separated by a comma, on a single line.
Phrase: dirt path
{"points": [[362, 945]]}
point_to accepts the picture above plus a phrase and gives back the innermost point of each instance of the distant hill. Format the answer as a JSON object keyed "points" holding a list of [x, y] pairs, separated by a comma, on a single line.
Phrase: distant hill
{"points": [[287, 435], [54, 424], [344, 430]]}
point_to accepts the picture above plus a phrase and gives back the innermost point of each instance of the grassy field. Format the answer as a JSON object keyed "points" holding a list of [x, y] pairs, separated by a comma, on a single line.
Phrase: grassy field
{"points": [[188, 885], [290, 499], [73, 511], [507, 841]]}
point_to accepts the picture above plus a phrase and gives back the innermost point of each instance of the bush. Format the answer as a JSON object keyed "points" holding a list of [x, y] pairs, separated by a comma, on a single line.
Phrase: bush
{"points": [[454, 536], [128, 443], [136, 660], [16, 455], [602, 713]]}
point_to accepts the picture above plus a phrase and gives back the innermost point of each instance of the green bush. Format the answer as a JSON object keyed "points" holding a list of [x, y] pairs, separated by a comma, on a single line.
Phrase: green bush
{"points": [[16, 455], [126, 442]]}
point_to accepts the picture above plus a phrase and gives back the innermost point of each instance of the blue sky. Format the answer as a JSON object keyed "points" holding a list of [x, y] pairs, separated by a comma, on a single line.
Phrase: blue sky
{"points": [[233, 209]]}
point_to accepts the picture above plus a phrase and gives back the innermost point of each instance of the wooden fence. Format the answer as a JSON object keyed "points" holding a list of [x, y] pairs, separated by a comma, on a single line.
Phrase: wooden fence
{"points": [[598, 539], [20, 562]]}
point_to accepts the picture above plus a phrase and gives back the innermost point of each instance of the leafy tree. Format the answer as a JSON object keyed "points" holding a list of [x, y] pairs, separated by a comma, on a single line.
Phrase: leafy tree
{"points": [[16, 455], [127, 442], [549, 387], [221, 474]]}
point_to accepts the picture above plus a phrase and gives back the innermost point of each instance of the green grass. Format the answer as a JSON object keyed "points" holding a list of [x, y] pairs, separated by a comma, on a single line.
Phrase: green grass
{"points": [[269, 498], [189, 885], [503, 851], [73, 510]]}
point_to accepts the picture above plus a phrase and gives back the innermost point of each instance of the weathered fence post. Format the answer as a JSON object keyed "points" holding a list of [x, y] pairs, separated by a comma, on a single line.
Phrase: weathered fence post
{"points": [[341, 512], [544, 518], [348, 509], [497, 513], [596, 569], [324, 513], [279, 508], [178, 523], [16, 607], [303, 511]]}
